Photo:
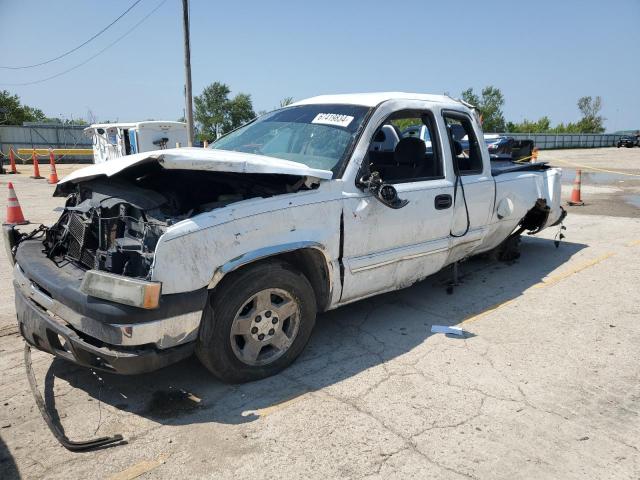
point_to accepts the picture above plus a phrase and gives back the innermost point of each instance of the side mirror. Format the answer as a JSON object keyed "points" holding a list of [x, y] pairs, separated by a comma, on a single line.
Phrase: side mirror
{"points": [[384, 192], [388, 195]]}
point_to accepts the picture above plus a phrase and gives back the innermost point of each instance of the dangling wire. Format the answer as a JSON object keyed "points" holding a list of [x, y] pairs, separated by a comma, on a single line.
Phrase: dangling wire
{"points": [[464, 197]]}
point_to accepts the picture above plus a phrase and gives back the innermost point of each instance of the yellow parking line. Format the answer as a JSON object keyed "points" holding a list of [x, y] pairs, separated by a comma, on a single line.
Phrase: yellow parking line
{"points": [[586, 167], [633, 244], [552, 280], [262, 412], [489, 310], [139, 469], [544, 283]]}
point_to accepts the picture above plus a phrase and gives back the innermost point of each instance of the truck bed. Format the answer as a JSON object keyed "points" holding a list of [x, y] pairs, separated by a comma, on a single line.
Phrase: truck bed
{"points": [[498, 167]]}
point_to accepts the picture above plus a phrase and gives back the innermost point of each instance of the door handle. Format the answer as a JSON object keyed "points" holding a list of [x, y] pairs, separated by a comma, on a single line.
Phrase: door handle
{"points": [[442, 201]]}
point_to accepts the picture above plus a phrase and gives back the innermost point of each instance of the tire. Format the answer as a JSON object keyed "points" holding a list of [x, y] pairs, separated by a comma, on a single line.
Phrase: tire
{"points": [[507, 251], [249, 301]]}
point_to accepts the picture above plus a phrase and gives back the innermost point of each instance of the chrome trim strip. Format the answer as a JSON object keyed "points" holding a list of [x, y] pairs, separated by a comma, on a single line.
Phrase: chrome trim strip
{"points": [[400, 259], [164, 333]]}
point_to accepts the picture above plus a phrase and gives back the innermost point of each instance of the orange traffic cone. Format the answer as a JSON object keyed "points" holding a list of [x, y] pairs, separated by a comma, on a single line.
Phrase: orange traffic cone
{"points": [[576, 200], [36, 167], [14, 212], [534, 155], [12, 161], [53, 177]]}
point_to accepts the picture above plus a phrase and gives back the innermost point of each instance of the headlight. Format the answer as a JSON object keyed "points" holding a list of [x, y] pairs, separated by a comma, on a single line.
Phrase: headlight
{"points": [[119, 289]]}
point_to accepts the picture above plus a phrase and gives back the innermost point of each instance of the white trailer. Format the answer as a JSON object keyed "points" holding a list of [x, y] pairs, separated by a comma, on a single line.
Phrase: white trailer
{"points": [[114, 140]]}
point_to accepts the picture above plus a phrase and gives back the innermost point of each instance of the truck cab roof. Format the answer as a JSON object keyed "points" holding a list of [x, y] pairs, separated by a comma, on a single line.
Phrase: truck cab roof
{"points": [[376, 98]]}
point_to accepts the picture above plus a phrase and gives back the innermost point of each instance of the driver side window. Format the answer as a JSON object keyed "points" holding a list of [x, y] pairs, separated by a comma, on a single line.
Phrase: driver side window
{"points": [[405, 148]]}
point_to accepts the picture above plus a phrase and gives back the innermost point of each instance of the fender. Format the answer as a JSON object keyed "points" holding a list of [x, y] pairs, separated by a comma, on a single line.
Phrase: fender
{"points": [[271, 251]]}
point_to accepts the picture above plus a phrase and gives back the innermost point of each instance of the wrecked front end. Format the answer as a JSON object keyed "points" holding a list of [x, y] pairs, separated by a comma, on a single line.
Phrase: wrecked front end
{"points": [[113, 225], [84, 286], [109, 226]]}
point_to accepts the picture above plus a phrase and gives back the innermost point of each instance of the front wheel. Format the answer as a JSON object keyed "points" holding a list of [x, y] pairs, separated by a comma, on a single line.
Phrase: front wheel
{"points": [[257, 322]]}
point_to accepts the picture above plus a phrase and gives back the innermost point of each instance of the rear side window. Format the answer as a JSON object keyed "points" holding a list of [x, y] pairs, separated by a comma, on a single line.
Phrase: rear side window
{"points": [[465, 149]]}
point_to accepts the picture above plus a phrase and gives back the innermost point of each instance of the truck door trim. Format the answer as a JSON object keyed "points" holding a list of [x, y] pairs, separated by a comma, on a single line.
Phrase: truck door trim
{"points": [[394, 255]]}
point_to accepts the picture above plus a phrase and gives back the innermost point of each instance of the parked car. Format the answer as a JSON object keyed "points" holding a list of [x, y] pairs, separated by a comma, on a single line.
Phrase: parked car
{"points": [[628, 141], [418, 131], [499, 146], [230, 252]]}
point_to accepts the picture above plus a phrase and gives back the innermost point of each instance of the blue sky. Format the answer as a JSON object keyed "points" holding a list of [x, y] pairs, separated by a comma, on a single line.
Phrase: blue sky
{"points": [[542, 54]]}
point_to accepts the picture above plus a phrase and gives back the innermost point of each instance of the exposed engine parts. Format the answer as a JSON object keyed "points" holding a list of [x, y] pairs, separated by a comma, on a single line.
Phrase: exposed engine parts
{"points": [[99, 229], [115, 225]]}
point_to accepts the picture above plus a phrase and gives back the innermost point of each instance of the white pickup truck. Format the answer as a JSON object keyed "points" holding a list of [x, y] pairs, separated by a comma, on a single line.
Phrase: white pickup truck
{"points": [[231, 251]]}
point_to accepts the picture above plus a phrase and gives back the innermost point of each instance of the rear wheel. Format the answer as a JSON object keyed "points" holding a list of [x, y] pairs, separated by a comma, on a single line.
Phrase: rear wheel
{"points": [[257, 322], [507, 251]]}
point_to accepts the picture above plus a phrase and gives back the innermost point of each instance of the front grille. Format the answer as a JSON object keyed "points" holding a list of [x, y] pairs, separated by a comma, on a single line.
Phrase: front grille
{"points": [[79, 238], [88, 258]]}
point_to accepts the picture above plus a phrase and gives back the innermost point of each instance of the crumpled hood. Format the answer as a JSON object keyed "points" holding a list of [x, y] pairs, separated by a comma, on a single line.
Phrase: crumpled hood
{"points": [[199, 159]]}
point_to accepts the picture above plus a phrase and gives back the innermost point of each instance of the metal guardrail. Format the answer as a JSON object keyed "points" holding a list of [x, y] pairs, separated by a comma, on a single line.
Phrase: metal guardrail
{"points": [[42, 137], [56, 151], [547, 141]]}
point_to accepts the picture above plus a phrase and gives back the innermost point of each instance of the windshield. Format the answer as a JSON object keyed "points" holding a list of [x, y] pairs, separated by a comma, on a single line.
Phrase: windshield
{"points": [[318, 136]]}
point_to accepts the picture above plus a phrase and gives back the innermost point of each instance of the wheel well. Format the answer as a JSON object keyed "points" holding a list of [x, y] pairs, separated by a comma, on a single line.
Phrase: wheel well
{"points": [[536, 218], [308, 261]]}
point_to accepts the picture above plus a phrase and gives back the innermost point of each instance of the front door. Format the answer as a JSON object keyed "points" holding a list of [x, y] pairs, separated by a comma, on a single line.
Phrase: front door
{"points": [[386, 249]]}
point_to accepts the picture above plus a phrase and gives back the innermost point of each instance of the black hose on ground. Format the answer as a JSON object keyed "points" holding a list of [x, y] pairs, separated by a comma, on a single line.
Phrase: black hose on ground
{"points": [[56, 429]]}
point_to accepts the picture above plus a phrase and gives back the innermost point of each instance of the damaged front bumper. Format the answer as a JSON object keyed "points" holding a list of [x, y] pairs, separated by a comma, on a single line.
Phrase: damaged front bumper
{"points": [[55, 316]]}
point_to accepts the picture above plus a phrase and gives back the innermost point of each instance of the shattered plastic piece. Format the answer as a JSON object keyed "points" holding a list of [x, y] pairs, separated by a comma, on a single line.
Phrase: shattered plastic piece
{"points": [[447, 330]]}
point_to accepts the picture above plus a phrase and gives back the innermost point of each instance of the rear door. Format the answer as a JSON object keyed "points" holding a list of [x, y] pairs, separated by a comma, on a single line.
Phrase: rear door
{"points": [[386, 249], [474, 189]]}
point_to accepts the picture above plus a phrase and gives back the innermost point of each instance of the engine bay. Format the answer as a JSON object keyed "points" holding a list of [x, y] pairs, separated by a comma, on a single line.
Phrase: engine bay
{"points": [[114, 224]]}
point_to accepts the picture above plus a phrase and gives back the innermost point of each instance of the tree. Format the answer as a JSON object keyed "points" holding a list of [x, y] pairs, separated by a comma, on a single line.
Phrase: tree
{"points": [[591, 121], [216, 113], [286, 101], [542, 125], [489, 106], [470, 97], [65, 121], [12, 112], [240, 110]]}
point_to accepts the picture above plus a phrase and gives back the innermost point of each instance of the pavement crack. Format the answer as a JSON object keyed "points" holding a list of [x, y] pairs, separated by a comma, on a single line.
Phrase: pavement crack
{"points": [[408, 440]]}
